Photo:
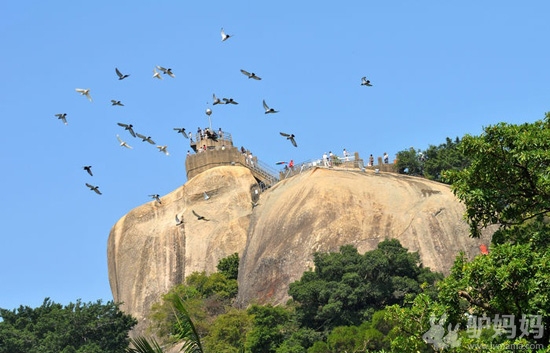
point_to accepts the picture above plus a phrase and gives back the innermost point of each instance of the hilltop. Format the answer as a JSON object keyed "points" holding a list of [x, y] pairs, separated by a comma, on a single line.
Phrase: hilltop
{"points": [[317, 210]]}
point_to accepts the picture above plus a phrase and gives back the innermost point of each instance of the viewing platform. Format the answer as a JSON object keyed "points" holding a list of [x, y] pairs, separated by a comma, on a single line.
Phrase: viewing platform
{"points": [[216, 149]]}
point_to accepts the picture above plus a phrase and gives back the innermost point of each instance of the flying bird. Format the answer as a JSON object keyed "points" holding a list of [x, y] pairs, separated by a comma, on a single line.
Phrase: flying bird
{"points": [[128, 127], [216, 99], [88, 168], [251, 75], [146, 138], [84, 92], [224, 35], [156, 74], [120, 75], [289, 137], [181, 130], [62, 117], [94, 188], [269, 110], [206, 197], [122, 143], [115, 102], [254, 204], [163, 149], [199, 217], [179, 221], [166, 71], [229, 101], [156, 197], [365, 82]]}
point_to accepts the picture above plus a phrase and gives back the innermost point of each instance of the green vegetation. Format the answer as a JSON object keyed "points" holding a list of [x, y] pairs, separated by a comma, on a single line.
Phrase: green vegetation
{"points": [[345, 288], [385, 301], [380, 301], [434, 161], [74, 328]]}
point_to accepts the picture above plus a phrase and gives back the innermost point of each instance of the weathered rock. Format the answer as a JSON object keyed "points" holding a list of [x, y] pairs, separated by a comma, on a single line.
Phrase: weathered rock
{"points": [[318, 210], [148, 254]]}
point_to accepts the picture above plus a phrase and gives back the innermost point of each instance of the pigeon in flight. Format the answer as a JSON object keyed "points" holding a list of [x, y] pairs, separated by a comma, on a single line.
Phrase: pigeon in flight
{"points": [[156, 74], [166, 71], [62, 117], [128, 127], [365, 82], [216, 99], [122, 143], [269, 110], [163, 149], [179, 221], [145, 138], [156, 197], [229, 101], [289, 137], [88, 168], [206, 197], [181, 130], [94, 188], [84, 92], [199, 217], [115, 102], [120, 75], [251, 75], [224, 35]]}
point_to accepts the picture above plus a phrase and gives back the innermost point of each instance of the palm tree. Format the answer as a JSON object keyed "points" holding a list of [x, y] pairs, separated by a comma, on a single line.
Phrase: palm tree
{"points": [[184, 331]]}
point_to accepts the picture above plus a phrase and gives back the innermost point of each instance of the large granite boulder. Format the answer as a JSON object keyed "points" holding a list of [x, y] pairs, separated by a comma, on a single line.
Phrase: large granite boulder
{"points": [[317, 210]]}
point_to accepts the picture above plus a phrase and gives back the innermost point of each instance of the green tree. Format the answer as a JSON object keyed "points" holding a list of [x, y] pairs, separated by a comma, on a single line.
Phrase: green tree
{"points": [[508, 180], [228, 332], [507, 184], [269, 328], [229, 266], [408, 162], [76, 327], [432, 162], [205, 297], [513, 279], [345, 288], [438, 159], [184, 331]]}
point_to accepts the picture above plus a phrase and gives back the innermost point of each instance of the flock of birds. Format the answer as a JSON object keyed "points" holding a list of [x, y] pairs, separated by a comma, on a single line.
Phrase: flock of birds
{"points": [[127, 127], [158, 73]]}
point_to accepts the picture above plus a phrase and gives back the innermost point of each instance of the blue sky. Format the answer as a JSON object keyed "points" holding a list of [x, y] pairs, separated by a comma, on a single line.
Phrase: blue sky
{"points": [[438, 69]]}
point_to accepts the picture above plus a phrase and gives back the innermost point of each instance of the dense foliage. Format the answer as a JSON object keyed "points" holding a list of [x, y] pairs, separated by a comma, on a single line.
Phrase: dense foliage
{"points": [[508, 181], [432, 162], [74, 328], [345, 288], [380, 301]]}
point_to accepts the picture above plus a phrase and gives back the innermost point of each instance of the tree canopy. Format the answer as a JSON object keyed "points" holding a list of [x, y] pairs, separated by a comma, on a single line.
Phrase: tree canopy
{"points": [[508, 180], [346, 287], [73, 328], [432, 162]]}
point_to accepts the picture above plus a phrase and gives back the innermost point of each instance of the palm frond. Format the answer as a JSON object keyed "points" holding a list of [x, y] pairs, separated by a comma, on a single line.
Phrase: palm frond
{"points": [[143, 345], [185, 329]]}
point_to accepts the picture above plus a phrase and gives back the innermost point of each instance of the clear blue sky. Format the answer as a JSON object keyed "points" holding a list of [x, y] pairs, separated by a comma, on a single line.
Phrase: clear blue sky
{"points": [[438, 69]]}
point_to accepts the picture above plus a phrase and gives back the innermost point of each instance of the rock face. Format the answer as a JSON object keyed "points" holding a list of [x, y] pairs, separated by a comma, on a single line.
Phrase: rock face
{"points": [[318, 210], [148, 253]]}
